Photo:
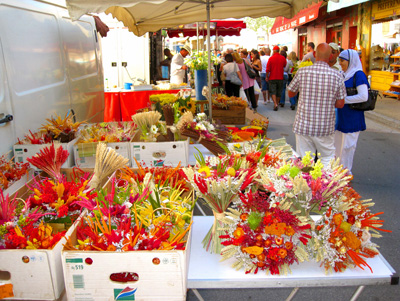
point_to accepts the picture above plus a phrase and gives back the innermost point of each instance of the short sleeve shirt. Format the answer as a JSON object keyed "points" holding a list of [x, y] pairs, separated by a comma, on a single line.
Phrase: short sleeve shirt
{"points": [[319, 86], [229, 68]]}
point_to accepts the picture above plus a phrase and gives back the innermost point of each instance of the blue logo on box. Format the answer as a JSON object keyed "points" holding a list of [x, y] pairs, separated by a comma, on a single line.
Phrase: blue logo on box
{"points": [[158, 163], [127, 294]]}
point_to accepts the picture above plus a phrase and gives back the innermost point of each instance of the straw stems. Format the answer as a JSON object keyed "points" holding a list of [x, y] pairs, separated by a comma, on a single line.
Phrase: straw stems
{"points": [[107, 161], [212, 241]]}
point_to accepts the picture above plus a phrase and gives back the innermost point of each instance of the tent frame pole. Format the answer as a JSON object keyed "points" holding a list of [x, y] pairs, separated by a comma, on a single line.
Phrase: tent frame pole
{"points": [[209, 60]]}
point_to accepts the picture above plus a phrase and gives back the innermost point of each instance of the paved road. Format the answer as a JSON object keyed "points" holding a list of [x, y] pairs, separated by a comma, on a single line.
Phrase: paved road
{"points": [[376, 175]]}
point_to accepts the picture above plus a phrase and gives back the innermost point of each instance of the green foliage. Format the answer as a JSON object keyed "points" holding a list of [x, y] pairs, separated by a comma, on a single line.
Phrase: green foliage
{"points": [[263, 23], [254, 220]]}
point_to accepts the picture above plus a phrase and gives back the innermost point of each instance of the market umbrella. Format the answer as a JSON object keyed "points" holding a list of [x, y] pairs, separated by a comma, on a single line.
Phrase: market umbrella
{"points": [[141, 16], [217, 27]]}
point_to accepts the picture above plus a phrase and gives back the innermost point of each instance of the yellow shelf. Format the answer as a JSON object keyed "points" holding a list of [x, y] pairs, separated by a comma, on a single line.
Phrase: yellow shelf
{"points": [[391, 94]]}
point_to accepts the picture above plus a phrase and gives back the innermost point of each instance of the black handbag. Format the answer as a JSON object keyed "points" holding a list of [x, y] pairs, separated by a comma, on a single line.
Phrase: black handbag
{"points": [[368, 105], [249, 70]]}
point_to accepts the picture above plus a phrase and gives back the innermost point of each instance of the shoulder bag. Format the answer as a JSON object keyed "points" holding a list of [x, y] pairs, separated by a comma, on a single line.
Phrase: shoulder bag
{"points": [[368, 105], [249, 70], [235, 77]]}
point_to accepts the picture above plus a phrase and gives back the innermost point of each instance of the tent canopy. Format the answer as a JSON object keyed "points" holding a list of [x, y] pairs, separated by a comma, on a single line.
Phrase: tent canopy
{"points": [[217, 27], [142, 16]]}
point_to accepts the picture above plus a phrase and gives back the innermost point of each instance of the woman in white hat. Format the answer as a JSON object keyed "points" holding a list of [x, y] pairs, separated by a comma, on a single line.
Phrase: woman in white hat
{"points": [[178, 68]]}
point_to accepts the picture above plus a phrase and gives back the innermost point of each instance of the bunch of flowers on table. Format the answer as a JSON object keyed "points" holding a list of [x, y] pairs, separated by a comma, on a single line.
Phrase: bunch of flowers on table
{"points": [[199, 60], [149, 125], [178, 103], [202, 131], [340, 238], [63, 130], [50, 205], [21, 228], [218, 183], [224, 102], [107, 132], [136, 216], [263, 236], [11, 172]]}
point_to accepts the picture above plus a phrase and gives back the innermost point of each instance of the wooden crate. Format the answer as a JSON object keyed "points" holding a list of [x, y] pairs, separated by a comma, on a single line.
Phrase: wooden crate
{"points": [[230, 116]]}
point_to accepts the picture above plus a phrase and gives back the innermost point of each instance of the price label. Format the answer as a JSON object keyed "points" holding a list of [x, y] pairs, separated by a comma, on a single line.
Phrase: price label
{"points": [[77, 267]]}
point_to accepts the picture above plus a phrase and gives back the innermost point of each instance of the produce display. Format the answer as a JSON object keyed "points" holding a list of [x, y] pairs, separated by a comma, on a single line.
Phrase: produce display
{"points": [[60, 129], [50, 207], [224, 102], [107, 132], [11, 172]]}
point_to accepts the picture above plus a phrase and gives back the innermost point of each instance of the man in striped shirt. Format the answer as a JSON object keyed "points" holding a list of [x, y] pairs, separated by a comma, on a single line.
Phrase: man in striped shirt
{"points": [[321, 90]]}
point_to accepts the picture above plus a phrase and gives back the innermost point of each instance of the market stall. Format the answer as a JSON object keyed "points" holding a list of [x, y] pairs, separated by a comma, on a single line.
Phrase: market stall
{"points": [[210, 273], [384, 50]]}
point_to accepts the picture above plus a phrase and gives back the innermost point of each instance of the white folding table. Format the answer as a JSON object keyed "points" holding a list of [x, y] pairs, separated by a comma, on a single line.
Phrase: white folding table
{"points": [[207, 272]]}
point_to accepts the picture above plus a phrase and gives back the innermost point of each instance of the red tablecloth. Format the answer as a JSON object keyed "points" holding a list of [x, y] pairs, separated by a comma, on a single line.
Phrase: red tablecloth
{"points": [[131, 101], [112, 106]]}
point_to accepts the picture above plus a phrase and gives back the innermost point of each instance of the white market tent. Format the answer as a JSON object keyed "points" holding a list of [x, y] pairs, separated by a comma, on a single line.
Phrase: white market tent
{"points": [[141, 16]]}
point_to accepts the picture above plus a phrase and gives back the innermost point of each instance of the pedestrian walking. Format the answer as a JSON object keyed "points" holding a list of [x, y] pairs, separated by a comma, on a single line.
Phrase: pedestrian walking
{"points": [[229, 69], [349, 123], [263, 75], [256, 65], [292, 61], [334, 61], [321, 90], [248, 83], [285, 79], [274, 70], [310, 53]]}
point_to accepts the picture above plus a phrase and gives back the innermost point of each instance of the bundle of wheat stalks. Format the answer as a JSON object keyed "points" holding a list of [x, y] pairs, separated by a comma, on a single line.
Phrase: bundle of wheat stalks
{"points": [[107, 161]]}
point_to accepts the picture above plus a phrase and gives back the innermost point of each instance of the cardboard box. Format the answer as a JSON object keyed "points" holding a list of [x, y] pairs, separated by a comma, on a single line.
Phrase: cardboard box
{"points": [[14, 187], [24, 151], [87, 274], [160, 153], [85, 153], [33, 274]]}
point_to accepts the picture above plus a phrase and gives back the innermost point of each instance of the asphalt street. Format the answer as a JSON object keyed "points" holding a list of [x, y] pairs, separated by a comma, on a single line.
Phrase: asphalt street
{"points": [[376, 173]]}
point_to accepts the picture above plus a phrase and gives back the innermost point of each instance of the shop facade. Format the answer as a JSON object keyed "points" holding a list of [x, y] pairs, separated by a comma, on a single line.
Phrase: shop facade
{"points": [[370, 27], [381, 38]]}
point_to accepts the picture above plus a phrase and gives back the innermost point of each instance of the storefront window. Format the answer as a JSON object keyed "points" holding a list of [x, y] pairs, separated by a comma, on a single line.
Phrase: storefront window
{"points": [[385, 37]]}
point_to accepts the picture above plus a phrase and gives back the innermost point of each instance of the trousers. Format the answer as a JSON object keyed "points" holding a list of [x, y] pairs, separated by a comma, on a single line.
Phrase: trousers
{"points": [[324, 146], [345, 144]]}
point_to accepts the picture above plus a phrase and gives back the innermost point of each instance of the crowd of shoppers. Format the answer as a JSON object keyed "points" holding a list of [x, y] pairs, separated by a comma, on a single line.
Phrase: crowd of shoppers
{"points": [[324, 123]]}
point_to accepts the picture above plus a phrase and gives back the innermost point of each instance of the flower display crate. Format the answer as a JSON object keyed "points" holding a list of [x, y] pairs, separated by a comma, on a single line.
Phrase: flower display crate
{"points": [[160, 275], [24, 151], [168, 153], [230, 116], [33, 274], [14, 187], [85, 153]]}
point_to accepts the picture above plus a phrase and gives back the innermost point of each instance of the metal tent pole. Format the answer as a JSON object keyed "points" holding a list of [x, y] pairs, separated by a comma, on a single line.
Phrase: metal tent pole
{"points": [[197, 32], [209, 59]]}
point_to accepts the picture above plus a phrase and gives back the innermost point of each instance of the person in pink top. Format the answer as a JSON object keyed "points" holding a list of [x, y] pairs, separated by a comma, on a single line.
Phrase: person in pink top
{"points": [[248, 83]]}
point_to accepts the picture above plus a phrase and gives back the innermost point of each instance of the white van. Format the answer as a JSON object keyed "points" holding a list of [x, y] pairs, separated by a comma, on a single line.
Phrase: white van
{"points": [[48, 65]]}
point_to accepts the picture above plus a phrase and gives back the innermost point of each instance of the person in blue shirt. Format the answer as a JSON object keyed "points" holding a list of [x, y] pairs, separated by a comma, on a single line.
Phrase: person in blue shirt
{"points": [[349, 123]]}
